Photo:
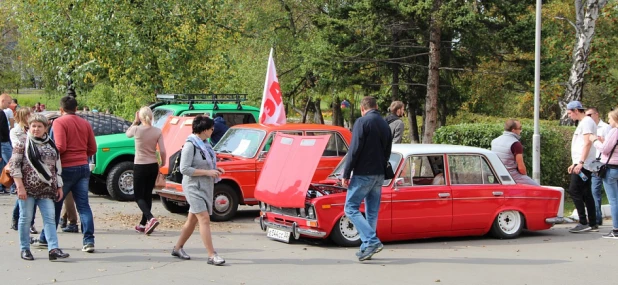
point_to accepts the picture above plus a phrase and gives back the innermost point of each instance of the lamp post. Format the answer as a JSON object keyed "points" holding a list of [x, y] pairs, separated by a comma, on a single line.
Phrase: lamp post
{"points": [[536, 138]]}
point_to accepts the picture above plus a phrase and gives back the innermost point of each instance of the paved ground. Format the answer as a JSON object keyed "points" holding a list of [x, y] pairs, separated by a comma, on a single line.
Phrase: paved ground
{"points": [[125, 257]]}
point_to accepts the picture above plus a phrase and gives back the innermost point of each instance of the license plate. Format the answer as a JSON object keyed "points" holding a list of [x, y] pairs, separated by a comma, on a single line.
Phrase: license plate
{"points": [[278, 235]]}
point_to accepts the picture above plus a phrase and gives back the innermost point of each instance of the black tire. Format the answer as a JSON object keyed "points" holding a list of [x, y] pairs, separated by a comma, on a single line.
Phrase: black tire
{"points": [[225, 203], [117, 189], [508, 225], [343, 233], [97, 187], [174, 206]]}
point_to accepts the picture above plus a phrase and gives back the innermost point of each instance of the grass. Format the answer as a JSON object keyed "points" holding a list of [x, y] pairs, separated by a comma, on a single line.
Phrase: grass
{"points": [[29, 97]]}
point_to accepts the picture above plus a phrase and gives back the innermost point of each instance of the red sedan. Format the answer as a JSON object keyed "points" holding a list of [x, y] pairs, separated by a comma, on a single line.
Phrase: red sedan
{"points": [[438, 191]]}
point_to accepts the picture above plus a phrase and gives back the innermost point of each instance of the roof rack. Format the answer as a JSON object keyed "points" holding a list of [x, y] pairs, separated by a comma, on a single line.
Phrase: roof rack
{"points": [[207, 98]]}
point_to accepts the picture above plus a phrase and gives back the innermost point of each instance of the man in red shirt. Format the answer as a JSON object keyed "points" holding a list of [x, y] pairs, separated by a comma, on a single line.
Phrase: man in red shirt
{"points": [[74, 139]]}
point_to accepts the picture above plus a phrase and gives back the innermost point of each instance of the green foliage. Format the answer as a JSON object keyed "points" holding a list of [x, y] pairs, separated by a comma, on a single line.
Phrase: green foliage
{"points": [[555, 146]]}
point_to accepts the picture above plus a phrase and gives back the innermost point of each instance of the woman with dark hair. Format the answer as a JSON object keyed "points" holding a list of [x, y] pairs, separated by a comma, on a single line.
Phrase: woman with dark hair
{"points": [[198, 165], [35, 166]]}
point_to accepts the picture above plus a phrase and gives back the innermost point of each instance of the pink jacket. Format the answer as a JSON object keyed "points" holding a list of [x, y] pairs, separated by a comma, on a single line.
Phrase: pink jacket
{"points": [[606, 147]]}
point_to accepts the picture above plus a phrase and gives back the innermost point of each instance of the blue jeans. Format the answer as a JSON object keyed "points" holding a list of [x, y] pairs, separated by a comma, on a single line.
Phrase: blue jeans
{"points": [[76, 179], [369, 189], [46, 206], [16, 213], [611, 189], [7, 152], [597, 195]]}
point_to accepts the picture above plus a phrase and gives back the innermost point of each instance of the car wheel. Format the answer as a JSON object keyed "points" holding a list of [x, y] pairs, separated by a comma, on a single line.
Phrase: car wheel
{"points": [[507, 225], [225, 203], [97, 188], [120, 181], [175, 207], [344, 233]]}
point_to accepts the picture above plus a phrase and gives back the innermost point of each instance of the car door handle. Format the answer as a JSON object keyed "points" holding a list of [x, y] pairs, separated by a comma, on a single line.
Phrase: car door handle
{"points": [[444, 195], [497, 193]]}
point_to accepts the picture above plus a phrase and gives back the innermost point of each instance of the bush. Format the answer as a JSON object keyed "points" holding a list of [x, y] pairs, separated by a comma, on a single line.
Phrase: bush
{"points": [[555, 146]]}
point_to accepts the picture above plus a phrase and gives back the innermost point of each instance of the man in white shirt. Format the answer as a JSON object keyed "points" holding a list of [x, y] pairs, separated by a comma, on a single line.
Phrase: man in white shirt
{"points": [[582, 156], [597, 183], [9, 115]]}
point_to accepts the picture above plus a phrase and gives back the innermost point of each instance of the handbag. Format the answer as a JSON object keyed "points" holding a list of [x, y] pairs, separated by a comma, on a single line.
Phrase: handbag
{"points": [[603, 168], [389, 173], [5, 177], [160, 182]]}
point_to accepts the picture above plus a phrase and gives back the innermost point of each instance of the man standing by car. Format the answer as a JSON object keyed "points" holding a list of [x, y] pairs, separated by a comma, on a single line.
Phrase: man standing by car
{"points": [[220, 129], [74, 153], [394, 120], [582, 156], [367, 157], [511, 152], [597, 182]]}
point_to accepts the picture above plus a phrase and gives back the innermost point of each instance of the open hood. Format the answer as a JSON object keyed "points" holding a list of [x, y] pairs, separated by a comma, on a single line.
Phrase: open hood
{"points": [[288, 170]]}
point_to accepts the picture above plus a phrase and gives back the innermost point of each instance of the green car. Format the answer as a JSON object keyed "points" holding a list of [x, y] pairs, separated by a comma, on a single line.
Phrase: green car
{"points": [[112, 165]]}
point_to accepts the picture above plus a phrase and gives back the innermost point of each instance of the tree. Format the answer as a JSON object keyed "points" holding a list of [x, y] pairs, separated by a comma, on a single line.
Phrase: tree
{"points": [[586, 17], [433, 78]]}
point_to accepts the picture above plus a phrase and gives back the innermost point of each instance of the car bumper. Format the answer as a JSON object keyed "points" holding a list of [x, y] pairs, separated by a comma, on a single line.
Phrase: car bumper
{"points": [[555, 220], [294, 229], [170, 193]]}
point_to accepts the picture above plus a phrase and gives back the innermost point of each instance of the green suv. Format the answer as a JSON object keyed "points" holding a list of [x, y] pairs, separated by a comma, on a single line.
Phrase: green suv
{"points": [[112, 165]]}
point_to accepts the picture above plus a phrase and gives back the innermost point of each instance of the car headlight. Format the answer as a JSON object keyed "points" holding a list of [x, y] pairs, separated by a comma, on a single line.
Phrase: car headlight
{"points": [[311, 212]]}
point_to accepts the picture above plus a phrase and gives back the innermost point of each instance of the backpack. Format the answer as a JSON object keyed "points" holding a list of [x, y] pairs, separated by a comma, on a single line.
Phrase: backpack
{"points": [[174, 174]]}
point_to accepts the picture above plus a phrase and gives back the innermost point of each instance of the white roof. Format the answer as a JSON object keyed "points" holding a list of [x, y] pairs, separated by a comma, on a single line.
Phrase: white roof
{"points": [[408, 149]]}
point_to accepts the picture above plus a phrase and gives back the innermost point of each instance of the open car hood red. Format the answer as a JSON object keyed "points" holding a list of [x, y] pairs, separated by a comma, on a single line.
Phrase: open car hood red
{"points": [[288, 170]]}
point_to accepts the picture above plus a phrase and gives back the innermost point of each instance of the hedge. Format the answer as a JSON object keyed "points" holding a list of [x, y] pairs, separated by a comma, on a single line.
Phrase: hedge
{"points": [[555, 146]]}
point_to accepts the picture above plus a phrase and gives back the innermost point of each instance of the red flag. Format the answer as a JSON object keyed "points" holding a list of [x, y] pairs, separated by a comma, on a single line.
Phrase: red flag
{"points": [[272, 111]]}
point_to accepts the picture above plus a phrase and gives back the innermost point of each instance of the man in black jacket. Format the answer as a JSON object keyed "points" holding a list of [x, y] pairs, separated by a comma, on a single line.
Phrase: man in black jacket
{"points": [[367, 157]]}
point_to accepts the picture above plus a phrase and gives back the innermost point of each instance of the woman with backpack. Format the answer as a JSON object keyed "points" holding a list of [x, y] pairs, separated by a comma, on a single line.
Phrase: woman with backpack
{"points": [[145, 165], [198, 165]]}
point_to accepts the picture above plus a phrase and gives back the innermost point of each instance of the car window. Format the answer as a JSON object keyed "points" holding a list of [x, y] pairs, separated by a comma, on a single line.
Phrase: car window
{"points": [[160, 116], [423, 170], [232, 119], [336, 146], [394, 159], [470, 169], [240, 142]]}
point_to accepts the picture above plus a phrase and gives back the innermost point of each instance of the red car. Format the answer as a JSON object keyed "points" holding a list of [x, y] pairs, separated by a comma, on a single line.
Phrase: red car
{"points": [[438, 191], [241, 152]]}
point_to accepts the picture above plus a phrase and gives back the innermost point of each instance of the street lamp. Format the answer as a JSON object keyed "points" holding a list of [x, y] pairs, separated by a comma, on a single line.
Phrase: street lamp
{"points": [[536, 138]]}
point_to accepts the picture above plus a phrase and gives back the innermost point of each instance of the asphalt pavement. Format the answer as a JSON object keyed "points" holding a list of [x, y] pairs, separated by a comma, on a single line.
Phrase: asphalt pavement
{"points": [[125, 257]]}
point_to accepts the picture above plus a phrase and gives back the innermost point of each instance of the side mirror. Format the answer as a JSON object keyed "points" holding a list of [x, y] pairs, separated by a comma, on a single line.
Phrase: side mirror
{"points": [[262, 155], [399, 181]]}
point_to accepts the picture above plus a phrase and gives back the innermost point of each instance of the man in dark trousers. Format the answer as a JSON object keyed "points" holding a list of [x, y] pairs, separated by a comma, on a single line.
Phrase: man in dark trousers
{"points": [[74, 139], [367, 158]]}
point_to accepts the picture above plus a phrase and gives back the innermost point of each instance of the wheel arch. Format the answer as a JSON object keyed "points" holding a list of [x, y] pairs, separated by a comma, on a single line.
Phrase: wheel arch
{"points": [[510, 208], [116, 160], [232, 183]]}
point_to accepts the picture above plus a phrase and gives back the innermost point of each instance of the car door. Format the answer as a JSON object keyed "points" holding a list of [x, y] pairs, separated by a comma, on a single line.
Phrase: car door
{"points": [[335, 150], [477, 194], [417, 205]]}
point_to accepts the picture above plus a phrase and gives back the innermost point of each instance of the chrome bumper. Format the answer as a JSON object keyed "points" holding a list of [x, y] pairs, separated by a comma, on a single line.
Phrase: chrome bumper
{"points": [[170, 192], [555, 220], [294, 229]]}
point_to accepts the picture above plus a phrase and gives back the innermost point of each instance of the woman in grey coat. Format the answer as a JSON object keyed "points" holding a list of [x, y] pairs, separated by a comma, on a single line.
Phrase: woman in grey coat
{"points": [[198, 165]]}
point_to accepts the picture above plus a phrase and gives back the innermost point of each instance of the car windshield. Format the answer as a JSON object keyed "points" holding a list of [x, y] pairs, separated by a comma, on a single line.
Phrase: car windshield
{"points": [[395, 159], [241, 142], [160, 116]]}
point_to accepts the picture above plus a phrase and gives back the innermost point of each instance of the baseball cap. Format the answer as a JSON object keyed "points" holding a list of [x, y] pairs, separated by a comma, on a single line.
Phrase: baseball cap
{"points": [[575, 105]]}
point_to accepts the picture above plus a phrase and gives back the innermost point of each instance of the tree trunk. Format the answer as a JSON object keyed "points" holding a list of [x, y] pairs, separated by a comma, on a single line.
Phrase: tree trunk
{"points": [[304, 120], [585, 23], [337, 114], [319, 118], [395, 66], [433, 79], [414, 135]]}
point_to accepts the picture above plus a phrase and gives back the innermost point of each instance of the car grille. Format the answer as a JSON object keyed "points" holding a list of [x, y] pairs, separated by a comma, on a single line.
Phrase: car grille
{"points": [[284, 211]]}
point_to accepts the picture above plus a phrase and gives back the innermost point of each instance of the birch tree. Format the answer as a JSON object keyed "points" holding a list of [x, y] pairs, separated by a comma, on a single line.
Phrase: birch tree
{"points": [[586, 15]]}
